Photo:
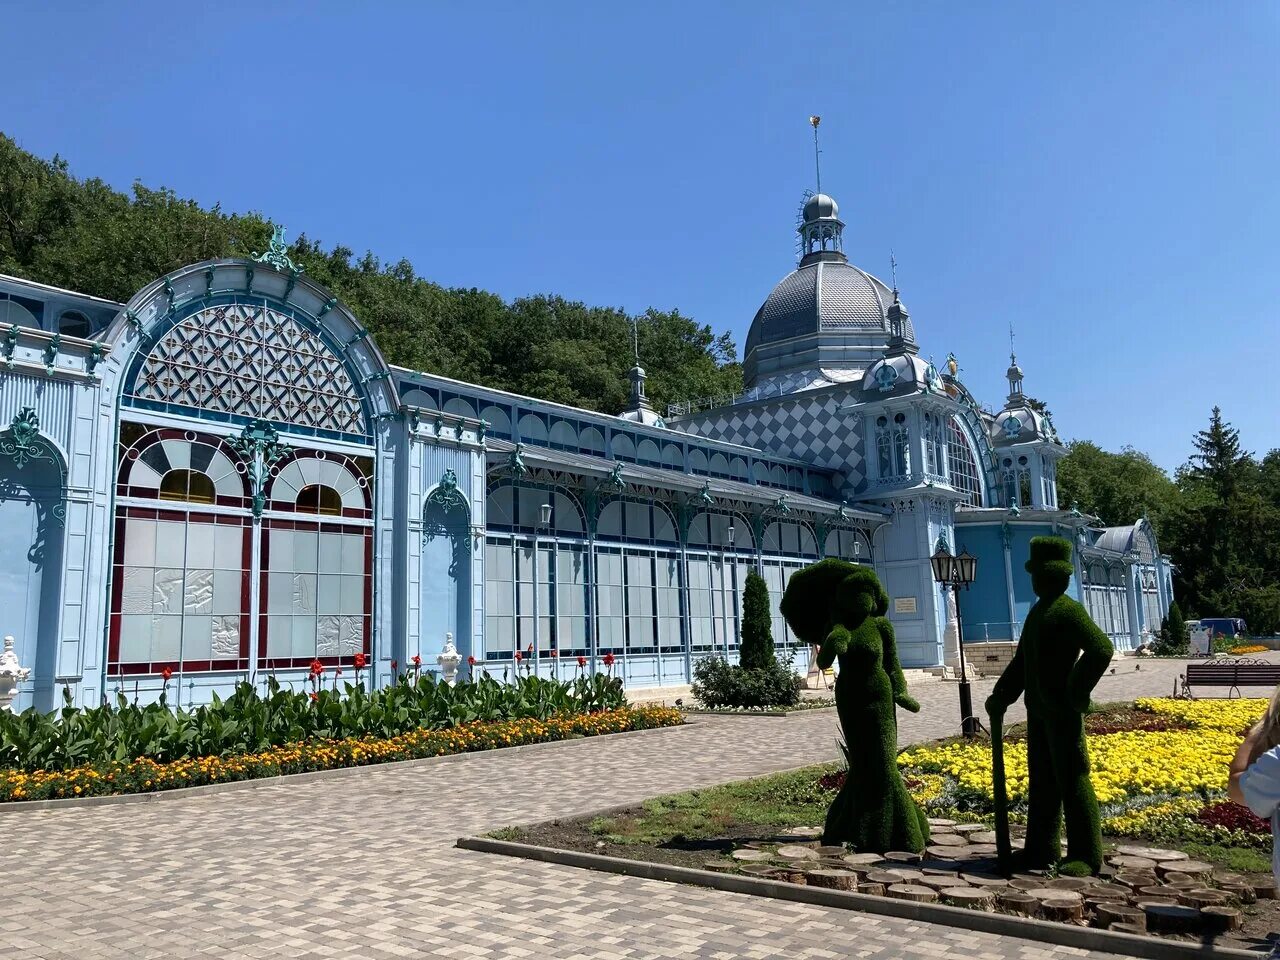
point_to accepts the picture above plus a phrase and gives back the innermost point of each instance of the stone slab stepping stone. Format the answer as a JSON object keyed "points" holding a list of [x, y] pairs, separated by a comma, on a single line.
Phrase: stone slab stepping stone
{"points": [[1192, 868], [941, 822], [914, 892], [1204, 898], [968, 828], [1123, 862], [862, 859], [883, 877], [1064, 908], [1069, 883], [906, 874], [1220, 919], [973, 898], [812, 832], [751, 856], [1172, 918], [1109, 914], [903, 856], [947, 840], [984, 880], [981, 849], [791, 873], [1151, 853], [1018, 902], [795, 851], [983, 836], [832, 879]]}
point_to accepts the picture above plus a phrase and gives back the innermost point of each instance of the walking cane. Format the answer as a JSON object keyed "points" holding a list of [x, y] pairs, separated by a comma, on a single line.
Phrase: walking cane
{"points": [[1004, 850]]}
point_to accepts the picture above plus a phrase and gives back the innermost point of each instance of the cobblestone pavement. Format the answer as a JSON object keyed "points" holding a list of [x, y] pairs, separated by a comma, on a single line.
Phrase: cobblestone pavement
{"points": [[364, 865]]}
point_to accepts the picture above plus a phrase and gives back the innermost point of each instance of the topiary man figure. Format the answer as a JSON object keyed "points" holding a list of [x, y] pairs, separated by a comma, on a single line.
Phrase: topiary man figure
{"points": [[839, 607], [1060, 658]]}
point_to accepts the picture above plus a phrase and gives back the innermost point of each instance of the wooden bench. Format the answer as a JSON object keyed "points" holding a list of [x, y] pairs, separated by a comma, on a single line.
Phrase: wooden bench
{"points": [[1234, 672]]}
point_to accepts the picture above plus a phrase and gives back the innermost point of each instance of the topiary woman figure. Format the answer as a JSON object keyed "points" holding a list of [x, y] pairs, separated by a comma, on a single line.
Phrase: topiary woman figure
{"points": [[839, 607]]}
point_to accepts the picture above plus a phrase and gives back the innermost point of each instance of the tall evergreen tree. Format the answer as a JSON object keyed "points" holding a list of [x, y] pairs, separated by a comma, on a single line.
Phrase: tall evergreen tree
{"points": [[755, 650]]}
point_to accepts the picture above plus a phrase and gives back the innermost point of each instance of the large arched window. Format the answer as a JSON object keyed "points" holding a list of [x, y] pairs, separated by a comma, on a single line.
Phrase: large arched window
{"points": [[964, 466], [319, 498]]}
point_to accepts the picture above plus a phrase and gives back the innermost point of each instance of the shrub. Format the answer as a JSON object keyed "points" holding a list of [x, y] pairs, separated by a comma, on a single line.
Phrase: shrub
{"points": [[250, 722], [1173, 640], [719, 684], [755, 650]]}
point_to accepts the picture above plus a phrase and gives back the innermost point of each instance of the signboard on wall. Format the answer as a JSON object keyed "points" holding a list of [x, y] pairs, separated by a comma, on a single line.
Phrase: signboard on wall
{"points": [[904, 604]]}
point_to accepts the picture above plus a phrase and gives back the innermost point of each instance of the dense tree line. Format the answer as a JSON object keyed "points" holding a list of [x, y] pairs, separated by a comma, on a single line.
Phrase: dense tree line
{"points": [[85, 235], [1217, 517]]}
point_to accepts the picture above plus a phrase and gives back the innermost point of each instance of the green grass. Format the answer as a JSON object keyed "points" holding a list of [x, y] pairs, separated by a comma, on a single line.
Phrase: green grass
{"points": [[782, 800], [514, 834], [1239, 859]]}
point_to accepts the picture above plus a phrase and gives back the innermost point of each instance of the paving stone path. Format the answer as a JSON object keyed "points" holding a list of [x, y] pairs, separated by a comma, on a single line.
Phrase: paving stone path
{"points": [[364, 865]]}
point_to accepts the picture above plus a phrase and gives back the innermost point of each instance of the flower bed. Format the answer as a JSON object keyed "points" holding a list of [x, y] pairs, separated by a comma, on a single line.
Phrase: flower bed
{"points": [[145, 774], [1247, 649], [1159, 775]]}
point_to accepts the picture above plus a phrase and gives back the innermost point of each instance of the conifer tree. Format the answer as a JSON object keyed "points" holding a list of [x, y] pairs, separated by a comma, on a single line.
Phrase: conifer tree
{"points": [[756, 648]]}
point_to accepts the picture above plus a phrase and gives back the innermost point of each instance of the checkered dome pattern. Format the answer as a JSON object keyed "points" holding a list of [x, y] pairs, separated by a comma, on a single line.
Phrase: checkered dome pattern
{"points": [[251, 361], [811, 429]]}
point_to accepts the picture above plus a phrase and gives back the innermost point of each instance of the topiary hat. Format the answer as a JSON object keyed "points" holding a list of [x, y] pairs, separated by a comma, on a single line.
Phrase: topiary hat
{"points": [[1050, 555]]}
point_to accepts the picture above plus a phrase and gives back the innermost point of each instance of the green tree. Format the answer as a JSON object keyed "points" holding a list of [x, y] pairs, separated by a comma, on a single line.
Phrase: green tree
{"points": [[85, 235], [1115, 487], [1173, 638], [755, 651]]}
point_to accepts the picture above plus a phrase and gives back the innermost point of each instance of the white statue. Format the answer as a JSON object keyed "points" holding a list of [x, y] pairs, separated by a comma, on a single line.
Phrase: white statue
{"points": [[449, 659], [11, 674]]}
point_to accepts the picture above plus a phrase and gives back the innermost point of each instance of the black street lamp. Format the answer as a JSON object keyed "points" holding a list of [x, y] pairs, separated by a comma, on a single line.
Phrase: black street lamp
{"points": [[956, 572]]}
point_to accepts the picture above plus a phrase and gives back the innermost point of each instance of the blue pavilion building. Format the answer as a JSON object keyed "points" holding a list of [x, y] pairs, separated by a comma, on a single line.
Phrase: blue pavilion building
{"points": [[223, 478]]}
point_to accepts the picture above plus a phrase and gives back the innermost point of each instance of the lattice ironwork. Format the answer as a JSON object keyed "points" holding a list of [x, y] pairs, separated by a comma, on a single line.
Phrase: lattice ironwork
{"points": [[248, 360]]}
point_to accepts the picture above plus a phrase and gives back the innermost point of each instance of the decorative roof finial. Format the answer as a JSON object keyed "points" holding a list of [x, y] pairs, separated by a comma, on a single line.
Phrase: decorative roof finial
{"points": [[893, 266], [1013, 357], [635, 339], [817, 168], [277, 254]]}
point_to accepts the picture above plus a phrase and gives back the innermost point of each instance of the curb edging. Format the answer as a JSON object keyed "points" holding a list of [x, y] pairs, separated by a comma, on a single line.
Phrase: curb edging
{"points": [[19, 807], [1087, 938]]}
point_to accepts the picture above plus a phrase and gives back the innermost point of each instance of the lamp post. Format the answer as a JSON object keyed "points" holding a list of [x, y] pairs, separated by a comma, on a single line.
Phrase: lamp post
{"points": [[956, 572]]}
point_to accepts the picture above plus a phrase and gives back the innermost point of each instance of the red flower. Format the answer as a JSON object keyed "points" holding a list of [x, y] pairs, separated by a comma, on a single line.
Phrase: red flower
{"points": [[582, 661], [314, 697], [337, 672], [471, 661], [417, 660], [518, 656], [360, 661], [608, 659], [166, 673], [553, 653], [317, 668], [394, 665]]}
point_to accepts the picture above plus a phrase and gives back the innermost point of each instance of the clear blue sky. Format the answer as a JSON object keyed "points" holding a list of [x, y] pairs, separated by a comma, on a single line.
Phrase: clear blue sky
{"points": [[1102, 175]]}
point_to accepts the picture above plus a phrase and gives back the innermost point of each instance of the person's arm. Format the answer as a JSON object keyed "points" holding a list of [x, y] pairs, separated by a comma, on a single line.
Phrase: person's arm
{"points": [[1010, 685], [1095, 656], [837, 642], [1239, 764], [1259, 784], [889, 645]]}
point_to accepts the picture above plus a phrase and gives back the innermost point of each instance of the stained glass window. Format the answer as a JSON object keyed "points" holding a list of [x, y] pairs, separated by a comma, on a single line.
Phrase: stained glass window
{"points": [[247, 360]]}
